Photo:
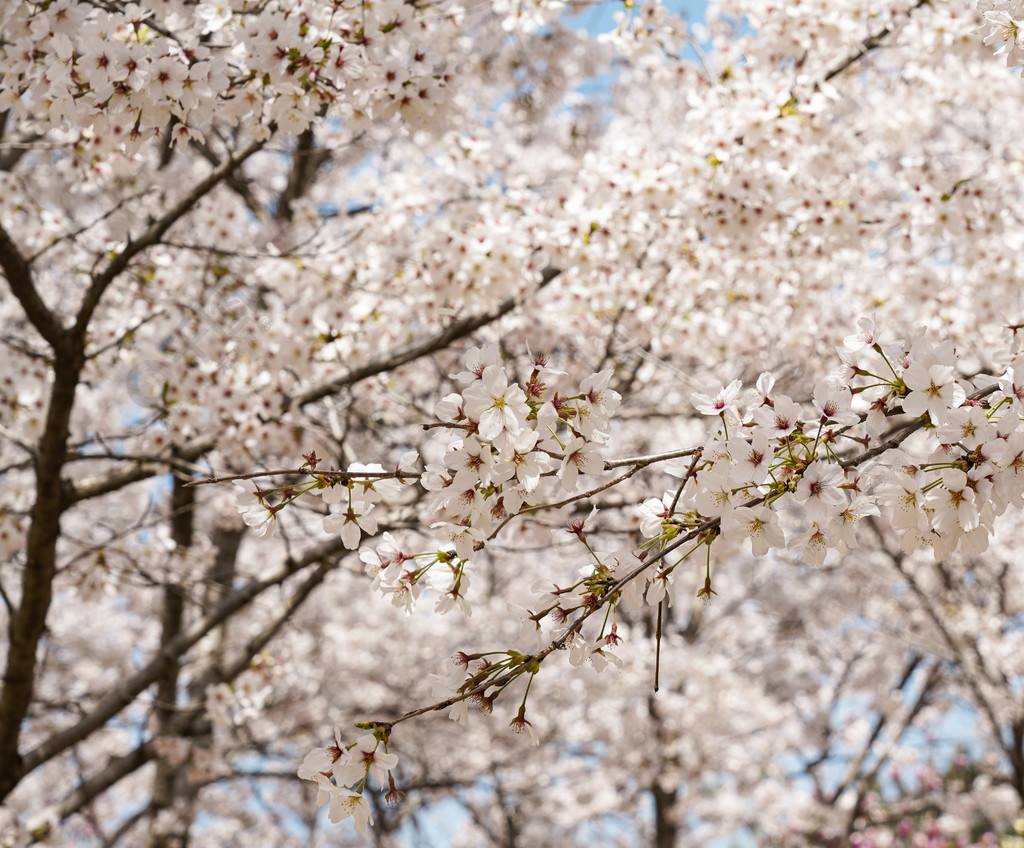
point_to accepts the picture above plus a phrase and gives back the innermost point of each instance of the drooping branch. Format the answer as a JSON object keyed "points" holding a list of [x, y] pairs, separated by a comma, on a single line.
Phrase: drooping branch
{"points": [[529, 664], [610, 593]]}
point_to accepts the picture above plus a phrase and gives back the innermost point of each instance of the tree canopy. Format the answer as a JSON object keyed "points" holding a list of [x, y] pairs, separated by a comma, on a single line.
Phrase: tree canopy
{"points": [[387, 386]]}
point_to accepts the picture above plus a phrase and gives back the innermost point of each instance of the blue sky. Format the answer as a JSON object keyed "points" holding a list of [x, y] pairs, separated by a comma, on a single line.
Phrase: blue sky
{"points": [[600, 16]]}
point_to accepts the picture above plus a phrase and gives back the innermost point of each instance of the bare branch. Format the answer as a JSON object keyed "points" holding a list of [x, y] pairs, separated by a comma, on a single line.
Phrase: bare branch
{"points": [[103, 484]]}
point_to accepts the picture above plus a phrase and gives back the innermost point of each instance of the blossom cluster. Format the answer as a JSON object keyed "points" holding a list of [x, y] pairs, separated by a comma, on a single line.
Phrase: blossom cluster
{"points": [[823, 466], [123, 73], [893, 432], [1001, 29], [695, 214], [340, 772], [508, 436], [511, 436]]}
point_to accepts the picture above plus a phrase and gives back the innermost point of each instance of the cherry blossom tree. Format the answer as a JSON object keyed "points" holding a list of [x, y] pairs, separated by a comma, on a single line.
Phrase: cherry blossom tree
{"points": [[388, 386]]}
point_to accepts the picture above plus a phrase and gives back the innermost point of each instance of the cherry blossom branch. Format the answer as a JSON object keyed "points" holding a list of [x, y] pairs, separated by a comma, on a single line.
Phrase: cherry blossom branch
{"points": [[686, 479], [534, 660], [643, 461], [904, 431], [572, 499], [419, 347], [330, 475], [154, 233], [870, 43], [637, 463], [531, 663], [97, 486]]}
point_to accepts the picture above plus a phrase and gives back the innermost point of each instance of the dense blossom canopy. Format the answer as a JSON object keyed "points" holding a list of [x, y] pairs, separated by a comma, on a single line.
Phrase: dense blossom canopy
{"points": [[652, 386]]}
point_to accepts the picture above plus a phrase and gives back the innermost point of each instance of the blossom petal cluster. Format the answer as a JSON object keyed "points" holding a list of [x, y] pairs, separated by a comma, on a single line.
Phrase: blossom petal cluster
{"points": [[338, 768], [1003, 29], [115, 70], [801, 477], [503, 440]]}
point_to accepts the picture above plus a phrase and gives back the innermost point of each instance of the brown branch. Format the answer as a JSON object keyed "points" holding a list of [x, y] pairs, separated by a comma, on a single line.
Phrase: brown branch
{"points": [[28, 620], [258, 642], [416, 348], [171, 619], [905, 432], [870, 43], [958, 650], [103, 484], [177, 721], [115, 770], [909, 714], [880, 721], [643, 461], [306, 160], [19, 277], [305, 472]]}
